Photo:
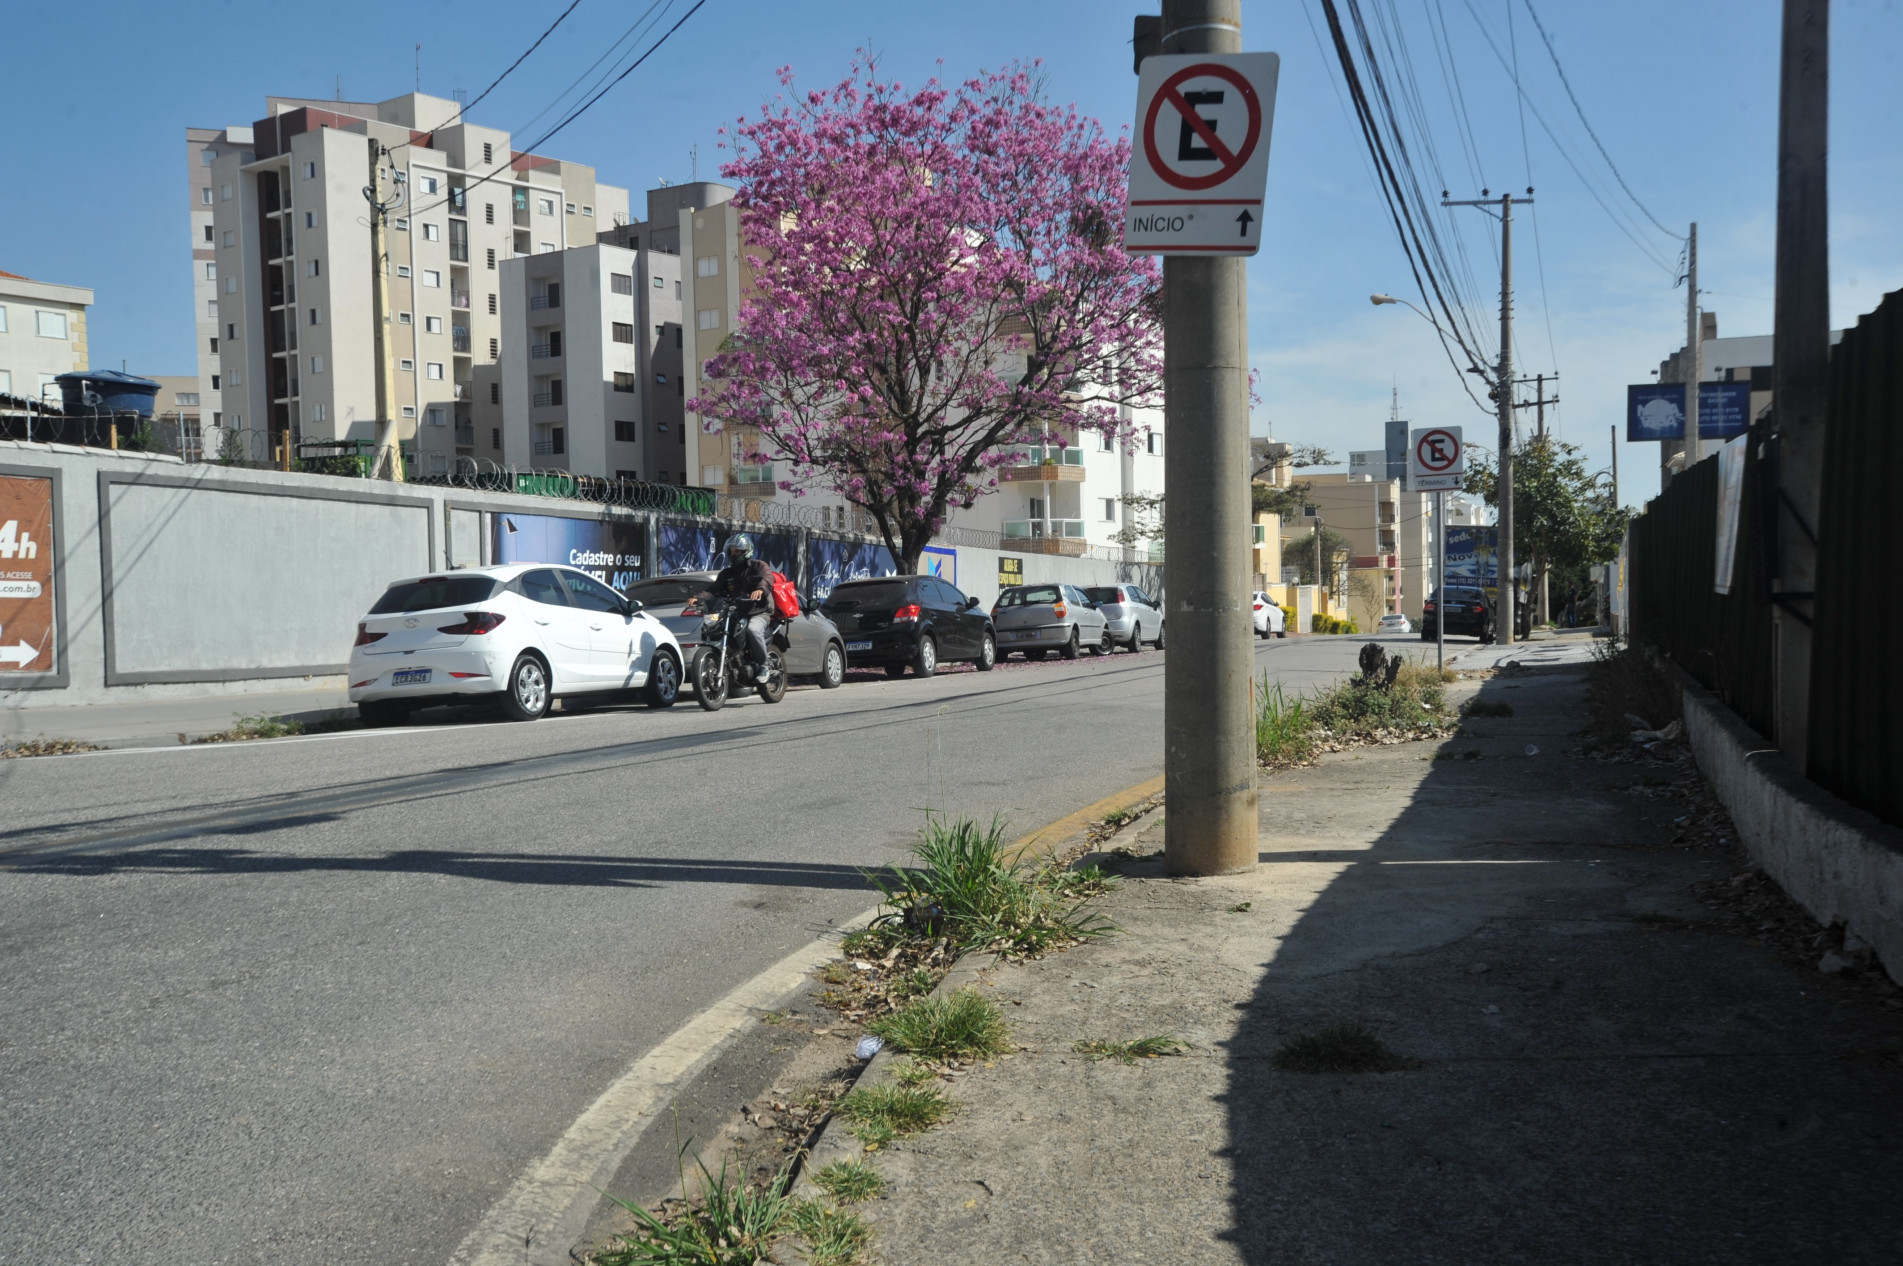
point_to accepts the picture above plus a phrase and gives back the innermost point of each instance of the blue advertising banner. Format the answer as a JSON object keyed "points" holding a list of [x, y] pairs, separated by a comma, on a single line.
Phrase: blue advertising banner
{"points": [[610, 550], [1724, 410], [1472, 558], [835, 562], [690, 547], [1655, 411], [940, 561]]}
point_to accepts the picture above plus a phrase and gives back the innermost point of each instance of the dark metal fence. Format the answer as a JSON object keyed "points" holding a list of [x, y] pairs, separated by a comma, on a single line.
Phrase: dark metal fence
{"points": [[1726, 641], [1856, 746]]}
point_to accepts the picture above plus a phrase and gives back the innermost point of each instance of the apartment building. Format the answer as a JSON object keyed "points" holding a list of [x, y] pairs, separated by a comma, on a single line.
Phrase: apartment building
{"points": [[42, 335], [1388, 529], [202, 148], [294, 322]]}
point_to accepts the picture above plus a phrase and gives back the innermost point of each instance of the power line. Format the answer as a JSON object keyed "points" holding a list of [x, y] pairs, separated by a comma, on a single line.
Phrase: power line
{"points": [[462, 110], [634, 32], [1587, 124], [1526, 153]]}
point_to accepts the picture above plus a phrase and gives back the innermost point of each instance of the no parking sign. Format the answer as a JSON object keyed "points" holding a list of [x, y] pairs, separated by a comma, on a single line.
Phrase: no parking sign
{"points": [[1200, 159], [1436, 460]]}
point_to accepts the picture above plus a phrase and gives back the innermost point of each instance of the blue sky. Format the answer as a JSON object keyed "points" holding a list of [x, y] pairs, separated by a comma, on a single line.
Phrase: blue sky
{"points": [[1682, 93]]}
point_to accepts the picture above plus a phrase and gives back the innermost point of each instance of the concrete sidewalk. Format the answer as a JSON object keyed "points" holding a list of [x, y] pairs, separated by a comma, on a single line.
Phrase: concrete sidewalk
{"points": [[1599, 1073], [154, 721]]}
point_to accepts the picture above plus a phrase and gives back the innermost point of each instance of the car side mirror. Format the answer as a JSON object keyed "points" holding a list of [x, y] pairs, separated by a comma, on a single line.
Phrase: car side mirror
{"points": [[970, 603], [633, 605]]}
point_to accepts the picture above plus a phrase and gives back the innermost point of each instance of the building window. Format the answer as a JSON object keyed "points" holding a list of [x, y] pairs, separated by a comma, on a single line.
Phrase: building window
{"points": [[401, 222], [316, 268], [623, 382], [1109, 509], [206, 156], [661, 427], [231, 331], [211, 271], [492, 305], [707, 266], [310, 171], [433, 369], [317, 413], [1153, 443], [586, 209], [663, 476], [204, 194], [231, 237], [402, 270], [659, 282], [224, 193], [432, 325], [677, 290], [661, 378], [710, 318], [214, 385], [317, 364], [434, 417], [407, 365], [545, 205], [555, 439], [432, 277], [495, 437], [403, 318], [677, 336], [211, 309], [547, 247], [428, 183], [495, 393], [1105, 443], [209, 236], [432, 233], [214, 345], [569, 207], [231, 285], [50, 324], [492, 259], [495, 349], [623, 332], [409, 410], [624, 431], [621, 283], [555, 392]]}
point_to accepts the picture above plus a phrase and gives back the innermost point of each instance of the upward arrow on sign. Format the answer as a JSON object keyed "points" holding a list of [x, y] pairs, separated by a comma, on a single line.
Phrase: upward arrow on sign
{"points": [[1245, 220]]}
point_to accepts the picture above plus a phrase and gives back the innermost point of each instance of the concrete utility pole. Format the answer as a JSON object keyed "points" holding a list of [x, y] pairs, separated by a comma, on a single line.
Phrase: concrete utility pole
{"points": [[1208, 714], [388, 442], [1800, 354], [1694, 353], [1503, 607], [1538, 403]]}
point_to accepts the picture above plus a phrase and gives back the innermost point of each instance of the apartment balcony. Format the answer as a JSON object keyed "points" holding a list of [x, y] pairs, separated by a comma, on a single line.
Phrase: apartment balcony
{"points": [[459, 252], [1050, 465], [1045, 536], [542, 351], [546, 448], [545, 400], [459, 338], [465, 391], [541, 303], [521, 218], [459, 298], [465, 435]]}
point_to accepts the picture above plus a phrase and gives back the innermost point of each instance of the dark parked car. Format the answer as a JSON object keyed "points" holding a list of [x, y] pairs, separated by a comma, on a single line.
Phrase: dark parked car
{"points": [[811, 645], [917, 621], [1469, 614]]}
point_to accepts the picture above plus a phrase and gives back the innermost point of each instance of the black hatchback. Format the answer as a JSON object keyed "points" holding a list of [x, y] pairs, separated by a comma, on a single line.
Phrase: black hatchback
{"points": [[1469, 614], [896, 622]]}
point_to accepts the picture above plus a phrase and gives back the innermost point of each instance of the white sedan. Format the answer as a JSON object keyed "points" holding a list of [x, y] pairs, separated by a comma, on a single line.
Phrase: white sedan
{"points": [[522, 635], [1394, 622], [1268, 616]]}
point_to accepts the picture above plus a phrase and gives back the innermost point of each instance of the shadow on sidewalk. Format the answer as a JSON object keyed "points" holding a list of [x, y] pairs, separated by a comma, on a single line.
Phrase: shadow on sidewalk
{"points": [[1599, 1078]]}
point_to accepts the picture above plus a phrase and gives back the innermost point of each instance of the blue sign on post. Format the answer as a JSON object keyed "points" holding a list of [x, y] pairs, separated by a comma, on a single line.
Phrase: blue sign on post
{"points": [[1656, 411], [1724, 410]]}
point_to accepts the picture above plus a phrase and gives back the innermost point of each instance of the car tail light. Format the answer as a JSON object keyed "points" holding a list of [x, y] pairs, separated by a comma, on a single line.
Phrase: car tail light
{"points": [[1059, 610], [474, 623], [469, 674], [1479, 609], [690, 609], [365, 636], [359, 685], [1427, 606], [906, 614]]}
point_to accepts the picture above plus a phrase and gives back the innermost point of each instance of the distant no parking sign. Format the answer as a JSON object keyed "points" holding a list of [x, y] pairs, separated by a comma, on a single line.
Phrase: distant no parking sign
{"points": [[1200, 157], [1436, 460]]}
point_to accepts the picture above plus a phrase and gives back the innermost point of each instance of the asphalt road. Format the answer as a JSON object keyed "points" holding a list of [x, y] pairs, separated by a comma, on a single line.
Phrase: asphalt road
{"points": [[322, 1000]]}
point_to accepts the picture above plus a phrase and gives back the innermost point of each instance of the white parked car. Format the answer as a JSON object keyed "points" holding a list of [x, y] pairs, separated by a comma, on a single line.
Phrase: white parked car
{"points": [[1394, 622], [522, 635], [1268, 616]]}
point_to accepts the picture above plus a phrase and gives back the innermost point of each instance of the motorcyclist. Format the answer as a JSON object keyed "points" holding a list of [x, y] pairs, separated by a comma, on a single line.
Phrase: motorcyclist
{"points": [[747, 583]]}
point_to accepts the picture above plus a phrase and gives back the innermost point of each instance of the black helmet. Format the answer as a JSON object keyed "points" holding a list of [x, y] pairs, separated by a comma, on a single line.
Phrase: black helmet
{"points": [[739, 549]]}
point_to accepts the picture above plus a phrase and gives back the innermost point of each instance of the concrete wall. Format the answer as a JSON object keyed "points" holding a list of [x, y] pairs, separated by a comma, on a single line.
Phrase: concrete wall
{"points": [[186, 580], [1838, 862]]}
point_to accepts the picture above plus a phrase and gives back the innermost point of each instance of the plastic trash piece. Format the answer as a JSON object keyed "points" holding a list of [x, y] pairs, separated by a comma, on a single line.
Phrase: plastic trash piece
{"points": [[868, 1047]]}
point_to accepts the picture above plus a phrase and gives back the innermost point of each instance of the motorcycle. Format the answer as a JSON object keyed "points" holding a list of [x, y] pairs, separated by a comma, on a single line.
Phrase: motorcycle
{"points": [[720, 667]]}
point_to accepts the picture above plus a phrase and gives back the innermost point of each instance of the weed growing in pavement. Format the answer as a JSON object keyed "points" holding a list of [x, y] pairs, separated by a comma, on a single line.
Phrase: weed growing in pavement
{"points": [[1284, 730], [850, 1181], [1624, 685], [1132, 1051], [878, 1114], [912, 984], [270, 725], [1389, 701], [967, 892], [909, 1072], [834, 1236], [1487, 708], [965, 1025], [46, 747], [1340, 1048], [727, 1223]]}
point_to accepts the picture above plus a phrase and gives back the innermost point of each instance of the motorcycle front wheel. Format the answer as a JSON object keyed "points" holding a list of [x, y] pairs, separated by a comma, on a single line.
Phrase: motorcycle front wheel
{"points": [[710, 684], [773, 689]]}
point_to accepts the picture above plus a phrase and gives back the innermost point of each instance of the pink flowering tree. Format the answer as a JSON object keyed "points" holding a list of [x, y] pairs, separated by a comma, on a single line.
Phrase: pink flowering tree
{"points": [[936, 276]]}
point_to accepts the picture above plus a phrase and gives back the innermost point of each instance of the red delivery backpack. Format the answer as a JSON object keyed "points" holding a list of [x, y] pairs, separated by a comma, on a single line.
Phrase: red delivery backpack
{"points": [[786, 599]]}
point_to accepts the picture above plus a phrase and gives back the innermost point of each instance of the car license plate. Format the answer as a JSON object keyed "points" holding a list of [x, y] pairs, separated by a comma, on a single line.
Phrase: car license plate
{"points": [[1026, 635], [858, 646], [410, 676]]}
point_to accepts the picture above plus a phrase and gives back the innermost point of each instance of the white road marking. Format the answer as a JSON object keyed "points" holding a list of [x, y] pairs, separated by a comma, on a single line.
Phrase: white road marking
{"points": [[548, 1208]]}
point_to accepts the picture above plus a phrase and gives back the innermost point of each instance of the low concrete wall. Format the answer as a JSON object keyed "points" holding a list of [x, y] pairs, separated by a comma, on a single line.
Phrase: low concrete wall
{"points": [[1838, 862]]}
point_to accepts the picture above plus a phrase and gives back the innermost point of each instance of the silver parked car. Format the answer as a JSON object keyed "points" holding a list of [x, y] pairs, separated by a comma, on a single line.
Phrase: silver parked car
{"points": [[811, 644], [1039, 619], [1134, 616]]}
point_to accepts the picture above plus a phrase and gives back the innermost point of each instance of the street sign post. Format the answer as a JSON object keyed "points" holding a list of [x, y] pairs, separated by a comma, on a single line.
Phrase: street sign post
{"points": [[1200, 159], [1437, 463]]}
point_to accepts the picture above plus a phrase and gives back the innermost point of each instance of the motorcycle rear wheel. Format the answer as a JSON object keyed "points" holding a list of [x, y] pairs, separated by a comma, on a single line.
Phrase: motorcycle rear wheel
{"points": [[710, 684], [773, 689]]}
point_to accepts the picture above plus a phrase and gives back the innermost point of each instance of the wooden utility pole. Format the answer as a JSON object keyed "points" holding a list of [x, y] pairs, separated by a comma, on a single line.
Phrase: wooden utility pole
{"points": [[1800, 353]]}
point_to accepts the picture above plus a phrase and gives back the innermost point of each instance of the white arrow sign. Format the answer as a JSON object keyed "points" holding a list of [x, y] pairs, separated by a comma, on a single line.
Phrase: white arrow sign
{"points": [[23, 654]]}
